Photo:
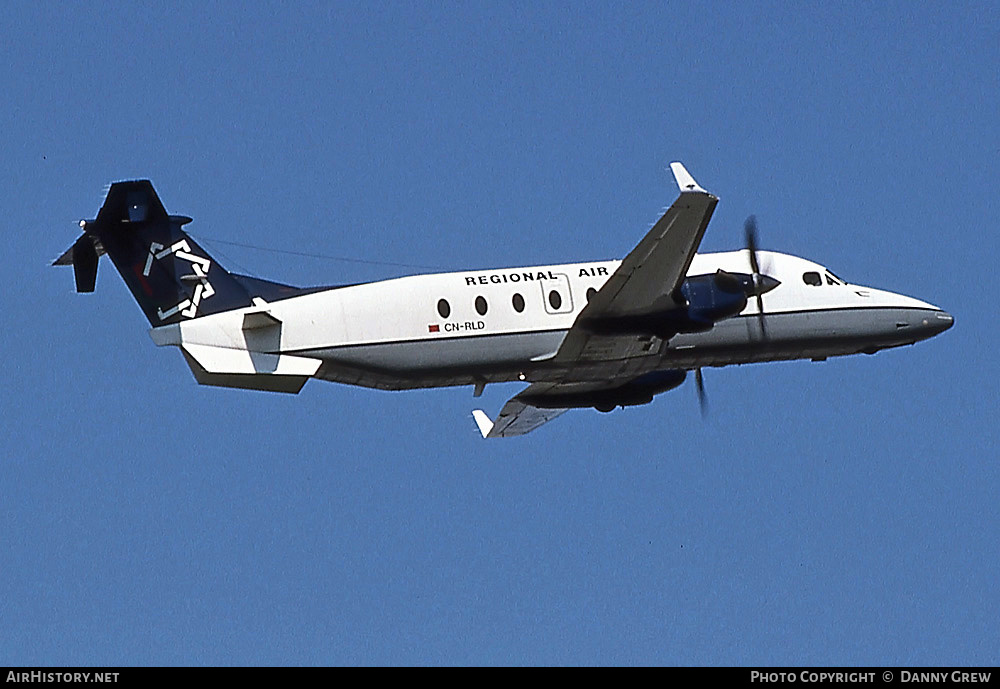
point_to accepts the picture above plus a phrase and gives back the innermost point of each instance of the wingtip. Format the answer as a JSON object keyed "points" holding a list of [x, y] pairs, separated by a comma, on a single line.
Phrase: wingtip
{"points": [[483, 421], [685, 182]]}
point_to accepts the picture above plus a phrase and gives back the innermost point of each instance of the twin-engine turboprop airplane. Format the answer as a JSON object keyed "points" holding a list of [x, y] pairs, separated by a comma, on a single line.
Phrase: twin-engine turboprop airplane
{"points": [[602, 334]]}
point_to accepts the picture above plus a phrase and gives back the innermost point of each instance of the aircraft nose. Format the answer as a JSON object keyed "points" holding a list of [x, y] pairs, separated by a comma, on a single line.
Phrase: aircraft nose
{"points": [[936, 323], [942, 321]]}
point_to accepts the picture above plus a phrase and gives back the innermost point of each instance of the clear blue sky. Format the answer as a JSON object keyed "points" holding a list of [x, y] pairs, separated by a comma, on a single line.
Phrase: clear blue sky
{"points": [[835, 513]]}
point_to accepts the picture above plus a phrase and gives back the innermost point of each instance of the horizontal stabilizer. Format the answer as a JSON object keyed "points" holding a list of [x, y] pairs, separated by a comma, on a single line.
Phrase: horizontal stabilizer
{"points": [[66, 259], [83, 256], [85, 264]]}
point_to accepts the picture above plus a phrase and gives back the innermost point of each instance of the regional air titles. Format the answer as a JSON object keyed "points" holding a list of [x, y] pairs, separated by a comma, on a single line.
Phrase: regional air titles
{"points": [[529, 276]]}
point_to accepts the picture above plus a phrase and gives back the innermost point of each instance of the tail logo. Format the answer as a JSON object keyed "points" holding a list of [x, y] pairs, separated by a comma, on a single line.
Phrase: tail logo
{"points": [[199, 267]]}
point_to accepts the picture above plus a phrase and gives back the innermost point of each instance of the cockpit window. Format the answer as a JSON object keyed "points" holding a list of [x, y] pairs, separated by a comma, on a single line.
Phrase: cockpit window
{"points": [[837, 280], [812, 278], [830, 280]]}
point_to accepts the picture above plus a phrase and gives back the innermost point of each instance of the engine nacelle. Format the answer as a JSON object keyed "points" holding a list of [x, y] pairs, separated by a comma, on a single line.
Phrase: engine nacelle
{"points": [[702, 301], [711, 298], [637, 391]]}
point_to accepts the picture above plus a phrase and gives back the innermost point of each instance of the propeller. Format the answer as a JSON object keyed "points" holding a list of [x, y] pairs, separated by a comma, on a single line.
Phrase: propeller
{"points": [[699, 382], [750, 229], [761, 284]]}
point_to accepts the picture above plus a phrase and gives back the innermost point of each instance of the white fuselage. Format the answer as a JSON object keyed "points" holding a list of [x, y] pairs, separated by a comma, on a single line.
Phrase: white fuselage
{"points": [[396, 334]]}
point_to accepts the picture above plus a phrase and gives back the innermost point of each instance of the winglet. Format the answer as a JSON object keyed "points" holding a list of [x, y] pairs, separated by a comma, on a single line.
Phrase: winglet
{"points": [[483, 421], [684, 179]]}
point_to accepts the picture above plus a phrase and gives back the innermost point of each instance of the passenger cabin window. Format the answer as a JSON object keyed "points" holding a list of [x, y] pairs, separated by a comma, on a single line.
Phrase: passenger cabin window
{"points": [[812, 278], [557, 296], [481, 306], [444, 308], [590, 293], [518, 302]]}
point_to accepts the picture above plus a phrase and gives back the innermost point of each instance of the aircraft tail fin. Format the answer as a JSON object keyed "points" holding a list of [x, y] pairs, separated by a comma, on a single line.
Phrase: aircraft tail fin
{"points": [[169, 274]]}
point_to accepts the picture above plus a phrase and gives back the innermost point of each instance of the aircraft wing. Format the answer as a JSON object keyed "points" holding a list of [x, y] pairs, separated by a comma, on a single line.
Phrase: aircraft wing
{"points": [[598, 360], [516, 418], [647, 279], [537, 404]]}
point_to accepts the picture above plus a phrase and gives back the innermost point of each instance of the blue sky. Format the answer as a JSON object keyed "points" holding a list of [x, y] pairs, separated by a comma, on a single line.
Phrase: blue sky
{"points": [[836, 513]]}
